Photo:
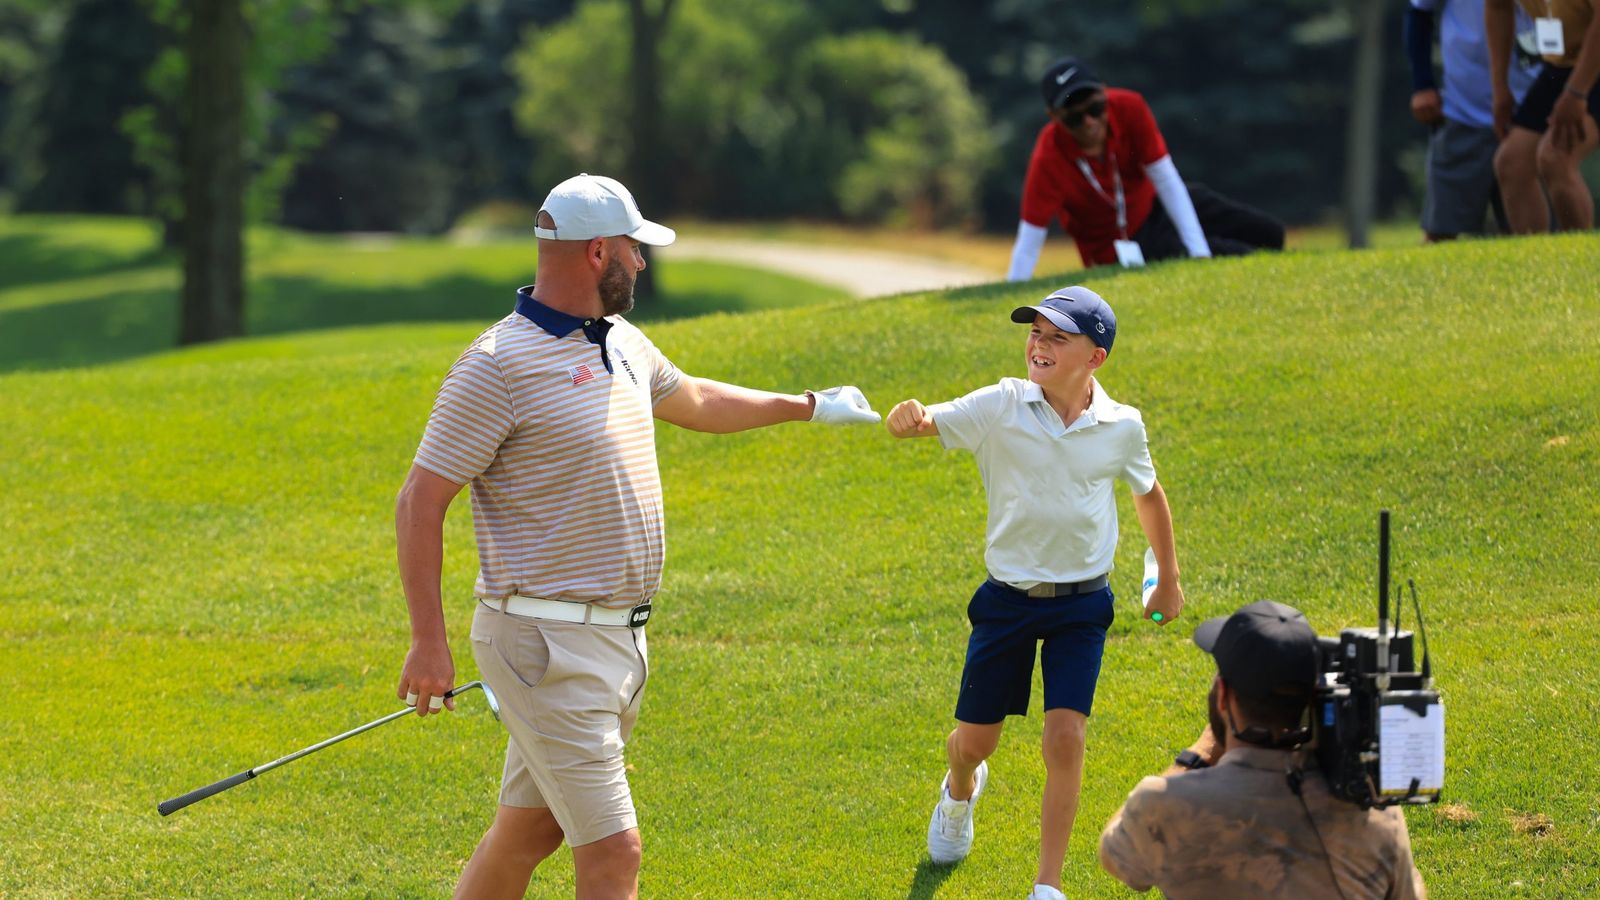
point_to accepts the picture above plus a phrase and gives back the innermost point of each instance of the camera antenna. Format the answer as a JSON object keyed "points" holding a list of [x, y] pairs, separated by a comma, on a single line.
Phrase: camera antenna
{"points": [[1427, 672], [1383, 599]]}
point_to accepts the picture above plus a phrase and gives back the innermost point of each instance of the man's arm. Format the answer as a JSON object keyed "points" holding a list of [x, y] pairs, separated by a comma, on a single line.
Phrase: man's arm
{"points": [[1123, 853], [419, 512], [1025, 252], [1156, 519], [1499, 29], [700, 404], [1426, 106], [1175, 198], [1571, 108]]}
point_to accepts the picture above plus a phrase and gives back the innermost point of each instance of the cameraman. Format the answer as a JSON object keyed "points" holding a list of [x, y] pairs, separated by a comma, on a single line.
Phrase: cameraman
{"points": [[1246, 815]]}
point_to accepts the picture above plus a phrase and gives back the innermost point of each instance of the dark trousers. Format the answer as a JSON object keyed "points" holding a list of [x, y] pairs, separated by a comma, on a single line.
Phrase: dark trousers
{"points": [[1231, 228]]}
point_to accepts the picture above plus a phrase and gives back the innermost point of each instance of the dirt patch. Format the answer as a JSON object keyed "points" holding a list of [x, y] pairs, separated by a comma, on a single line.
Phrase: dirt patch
{"points": [[1456, 813], [1533, 824]]}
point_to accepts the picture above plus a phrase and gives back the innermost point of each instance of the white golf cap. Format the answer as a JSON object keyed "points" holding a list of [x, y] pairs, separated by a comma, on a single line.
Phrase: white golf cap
{"points": [[590, 206]]}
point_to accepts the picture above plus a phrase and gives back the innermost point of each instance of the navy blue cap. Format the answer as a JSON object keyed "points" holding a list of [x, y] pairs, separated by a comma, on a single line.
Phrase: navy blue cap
{"points": [[1065, 77], [1264, 650], [1076, 310]]}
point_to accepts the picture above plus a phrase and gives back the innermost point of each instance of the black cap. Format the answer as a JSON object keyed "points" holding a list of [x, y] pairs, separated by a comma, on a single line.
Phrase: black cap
{"points": [[1065, 77], [1264, 650], [1076, 310]]}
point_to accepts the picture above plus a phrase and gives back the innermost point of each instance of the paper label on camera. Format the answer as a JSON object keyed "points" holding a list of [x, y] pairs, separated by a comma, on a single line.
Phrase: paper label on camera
{"points": [[1547, 32], [1411, 747], [1129, 253]]}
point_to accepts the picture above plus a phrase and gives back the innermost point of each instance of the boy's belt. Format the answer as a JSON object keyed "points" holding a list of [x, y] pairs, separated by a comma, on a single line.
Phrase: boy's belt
{"points": [[1045, 589]]}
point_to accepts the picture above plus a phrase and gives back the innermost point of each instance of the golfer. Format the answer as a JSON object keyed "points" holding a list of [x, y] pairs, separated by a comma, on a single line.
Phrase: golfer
{"points": [[548, 415], [1048, 448]]}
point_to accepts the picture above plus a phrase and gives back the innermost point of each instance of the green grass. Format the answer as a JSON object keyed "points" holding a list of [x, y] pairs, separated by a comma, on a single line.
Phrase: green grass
{"points": [[85, 290], [200, 578]]}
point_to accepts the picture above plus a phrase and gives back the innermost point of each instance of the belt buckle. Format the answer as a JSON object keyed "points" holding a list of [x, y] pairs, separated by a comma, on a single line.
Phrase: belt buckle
{"points": [[639, 615], [1042, 590]]}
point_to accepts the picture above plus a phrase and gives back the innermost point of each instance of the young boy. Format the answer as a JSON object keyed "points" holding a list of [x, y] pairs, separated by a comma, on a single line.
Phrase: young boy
{"points": [[1047, 449]]}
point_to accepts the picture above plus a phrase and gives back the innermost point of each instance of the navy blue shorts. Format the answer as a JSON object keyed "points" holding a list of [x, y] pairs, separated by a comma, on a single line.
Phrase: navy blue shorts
{"points": [[1007, 624]]}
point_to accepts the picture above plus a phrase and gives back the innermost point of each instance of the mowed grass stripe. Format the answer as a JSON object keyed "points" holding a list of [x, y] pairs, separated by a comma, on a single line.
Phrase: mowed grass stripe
{"points": [[202, 542]]}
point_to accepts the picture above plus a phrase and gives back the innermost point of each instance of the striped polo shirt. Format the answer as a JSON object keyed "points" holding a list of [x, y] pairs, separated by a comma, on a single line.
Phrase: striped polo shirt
{"points": [[549, 416]]}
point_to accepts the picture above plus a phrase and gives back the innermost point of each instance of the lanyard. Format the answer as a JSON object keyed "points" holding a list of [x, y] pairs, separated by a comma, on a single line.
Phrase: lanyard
{"points": [[1120, 202]]}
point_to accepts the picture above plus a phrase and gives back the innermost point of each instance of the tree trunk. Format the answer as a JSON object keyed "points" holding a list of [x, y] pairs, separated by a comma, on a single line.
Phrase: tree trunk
{"points": [[213, 173], [1361, 147], [646, 164]]}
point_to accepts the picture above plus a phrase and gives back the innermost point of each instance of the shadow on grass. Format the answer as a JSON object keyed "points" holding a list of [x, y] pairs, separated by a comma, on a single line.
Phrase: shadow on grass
{"points": [[120, 326], [34, 259], [929, 875]]}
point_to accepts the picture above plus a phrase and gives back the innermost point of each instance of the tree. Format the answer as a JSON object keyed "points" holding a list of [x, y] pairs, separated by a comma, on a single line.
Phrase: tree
{"points": [[213, 173], [1361, 148]]}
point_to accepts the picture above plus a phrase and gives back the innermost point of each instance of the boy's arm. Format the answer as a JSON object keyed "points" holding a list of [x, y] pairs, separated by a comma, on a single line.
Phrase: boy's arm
{"points": [[1156, 519], [910, 418]]}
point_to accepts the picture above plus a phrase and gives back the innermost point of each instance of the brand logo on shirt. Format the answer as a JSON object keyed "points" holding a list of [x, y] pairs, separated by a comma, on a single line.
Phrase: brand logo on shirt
{"points": [[1062, 78], [580, 374]]}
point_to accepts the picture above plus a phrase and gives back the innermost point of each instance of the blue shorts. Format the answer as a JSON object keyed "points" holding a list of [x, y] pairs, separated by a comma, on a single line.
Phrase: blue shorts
{"points": [[1006, 625]]}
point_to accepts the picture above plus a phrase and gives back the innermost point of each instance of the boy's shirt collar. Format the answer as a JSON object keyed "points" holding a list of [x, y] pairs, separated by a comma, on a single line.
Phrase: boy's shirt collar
{"points": [[1099, 409]]}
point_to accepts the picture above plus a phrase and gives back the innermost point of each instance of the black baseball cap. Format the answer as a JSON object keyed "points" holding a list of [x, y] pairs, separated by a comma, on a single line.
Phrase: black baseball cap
{"points": [[1076, 310], [1264, 650], [1065, 77]]}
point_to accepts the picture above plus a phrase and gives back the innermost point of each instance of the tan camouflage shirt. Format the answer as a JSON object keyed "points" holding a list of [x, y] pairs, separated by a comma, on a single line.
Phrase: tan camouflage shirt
{"points": [[1236, 830]]}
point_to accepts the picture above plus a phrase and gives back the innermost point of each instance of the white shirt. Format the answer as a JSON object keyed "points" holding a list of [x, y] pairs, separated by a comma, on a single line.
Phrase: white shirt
{"points": [[1052, 513]]}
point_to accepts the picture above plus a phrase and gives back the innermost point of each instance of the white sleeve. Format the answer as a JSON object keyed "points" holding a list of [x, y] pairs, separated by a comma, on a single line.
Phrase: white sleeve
{"points": [[1025, 254], [1180, 209]]}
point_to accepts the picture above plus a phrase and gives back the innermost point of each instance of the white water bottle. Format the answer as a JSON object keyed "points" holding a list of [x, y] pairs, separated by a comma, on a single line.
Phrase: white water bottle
{"points": [[1152, 574]]}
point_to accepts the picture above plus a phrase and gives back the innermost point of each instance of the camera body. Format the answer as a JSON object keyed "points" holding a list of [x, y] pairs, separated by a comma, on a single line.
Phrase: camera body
{"points": [[1377, 723]]}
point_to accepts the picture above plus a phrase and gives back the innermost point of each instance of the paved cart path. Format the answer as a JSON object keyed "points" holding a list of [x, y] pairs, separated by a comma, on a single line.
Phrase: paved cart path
{"points": [[865, 273]]}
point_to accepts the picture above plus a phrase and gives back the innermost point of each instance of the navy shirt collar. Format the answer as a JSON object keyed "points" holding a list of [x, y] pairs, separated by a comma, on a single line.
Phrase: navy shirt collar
{"points": [[555, 321], [561, 324]]}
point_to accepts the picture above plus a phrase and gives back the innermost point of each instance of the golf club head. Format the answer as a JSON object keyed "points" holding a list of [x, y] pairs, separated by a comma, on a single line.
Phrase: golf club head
{"points": [[488, 695]]}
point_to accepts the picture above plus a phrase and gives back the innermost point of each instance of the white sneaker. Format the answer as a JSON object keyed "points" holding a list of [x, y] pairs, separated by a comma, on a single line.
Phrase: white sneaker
{"points": [[1045, 892], [950, 829]]}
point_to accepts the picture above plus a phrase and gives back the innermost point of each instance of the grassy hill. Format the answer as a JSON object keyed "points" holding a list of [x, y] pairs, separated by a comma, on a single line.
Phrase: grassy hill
{"points": [[200, 578], [78, 290]]}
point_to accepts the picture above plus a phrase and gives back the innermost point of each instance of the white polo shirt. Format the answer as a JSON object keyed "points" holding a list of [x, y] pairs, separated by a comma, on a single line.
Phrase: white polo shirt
{"points": [[1052, 514]]}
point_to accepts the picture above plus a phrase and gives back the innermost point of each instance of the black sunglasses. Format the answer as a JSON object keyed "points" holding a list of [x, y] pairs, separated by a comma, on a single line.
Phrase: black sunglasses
{"points": [[1073, 119]]}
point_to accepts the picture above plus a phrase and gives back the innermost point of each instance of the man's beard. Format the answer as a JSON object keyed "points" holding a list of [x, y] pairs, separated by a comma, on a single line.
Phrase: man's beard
{"points": [[616, 289], [1219, 726]]}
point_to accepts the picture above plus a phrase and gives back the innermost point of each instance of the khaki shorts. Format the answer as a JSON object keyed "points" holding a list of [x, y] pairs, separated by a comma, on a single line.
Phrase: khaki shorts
{"points": [[569, 694]]}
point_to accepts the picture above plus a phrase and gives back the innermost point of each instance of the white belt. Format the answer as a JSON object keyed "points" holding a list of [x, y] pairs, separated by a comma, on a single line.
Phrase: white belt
{"points": [[564, 610]]}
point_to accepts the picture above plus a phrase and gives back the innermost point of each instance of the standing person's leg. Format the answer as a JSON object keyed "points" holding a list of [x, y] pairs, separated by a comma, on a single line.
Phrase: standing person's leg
{"points": [[569, 696], [1233, 228], [1516, 163], [1070, 658], [967, 747], [1461, 184], [1516, 170], [995, 682], [1558, 170], [1064, 734]]}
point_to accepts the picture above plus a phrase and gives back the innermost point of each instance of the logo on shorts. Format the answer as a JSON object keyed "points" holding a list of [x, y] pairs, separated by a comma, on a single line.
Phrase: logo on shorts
{"points": [[580, 374], [639, 615]]}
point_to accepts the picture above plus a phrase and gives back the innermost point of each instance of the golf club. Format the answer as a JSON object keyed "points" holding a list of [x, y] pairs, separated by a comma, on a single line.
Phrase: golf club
{"points": [[168, 807]]}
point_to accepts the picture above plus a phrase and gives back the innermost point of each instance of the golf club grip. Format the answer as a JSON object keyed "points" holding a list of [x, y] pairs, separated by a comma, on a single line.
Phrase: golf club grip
{"points": [[168, 807]]}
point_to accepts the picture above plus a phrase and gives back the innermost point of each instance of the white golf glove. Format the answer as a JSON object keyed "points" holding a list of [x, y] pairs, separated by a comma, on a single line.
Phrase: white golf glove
{"points": [[842, 406]]}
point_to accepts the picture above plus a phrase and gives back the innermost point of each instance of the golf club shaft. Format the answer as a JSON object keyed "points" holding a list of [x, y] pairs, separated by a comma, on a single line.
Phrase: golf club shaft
{"points": [[168, 807]]}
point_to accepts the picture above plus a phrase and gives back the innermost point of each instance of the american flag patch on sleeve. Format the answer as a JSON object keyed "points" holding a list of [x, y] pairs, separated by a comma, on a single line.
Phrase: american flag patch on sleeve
{"points": [[580, 374]]}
